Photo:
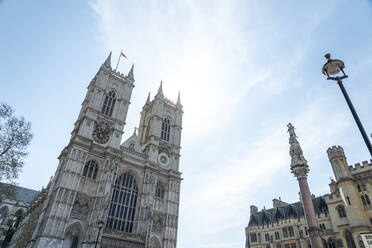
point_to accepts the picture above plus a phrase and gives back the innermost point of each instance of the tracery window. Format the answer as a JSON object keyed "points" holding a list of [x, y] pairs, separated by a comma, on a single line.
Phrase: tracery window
{"points": [[165, 129], [159, 190], [131, 147], [341, 211], [90, 169], [123, 204], [109, 104]]}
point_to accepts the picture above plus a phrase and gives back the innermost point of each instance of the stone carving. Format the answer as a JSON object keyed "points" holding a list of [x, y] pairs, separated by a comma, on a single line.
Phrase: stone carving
{"points": [[157, 223], [80, 208], [149, 178], [297, 157]]}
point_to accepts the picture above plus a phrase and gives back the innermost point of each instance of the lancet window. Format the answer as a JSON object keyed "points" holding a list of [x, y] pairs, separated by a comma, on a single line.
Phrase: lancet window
{"points": [[109, 104], [90, 169], [159, 190], [123, 204], [165, 129], [341, 211]]}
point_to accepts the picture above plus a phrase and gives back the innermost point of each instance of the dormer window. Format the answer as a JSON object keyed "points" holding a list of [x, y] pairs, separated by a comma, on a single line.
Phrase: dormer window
{"points": [[109, 104], [165, 129]]}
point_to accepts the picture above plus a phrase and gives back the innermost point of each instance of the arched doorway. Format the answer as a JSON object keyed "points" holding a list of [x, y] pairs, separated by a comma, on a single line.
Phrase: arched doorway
{"points": [[73, 236]]}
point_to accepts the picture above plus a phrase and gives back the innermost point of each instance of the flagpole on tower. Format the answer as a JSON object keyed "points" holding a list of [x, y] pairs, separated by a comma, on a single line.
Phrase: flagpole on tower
{"points": [[121, 54]]}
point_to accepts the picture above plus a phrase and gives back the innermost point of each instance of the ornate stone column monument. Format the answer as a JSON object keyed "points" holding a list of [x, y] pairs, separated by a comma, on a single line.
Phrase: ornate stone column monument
{"points": [[300, 169]]}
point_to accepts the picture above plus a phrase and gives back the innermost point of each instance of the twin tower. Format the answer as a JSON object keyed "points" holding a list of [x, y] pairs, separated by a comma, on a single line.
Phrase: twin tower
{"points": [[110, 194]]}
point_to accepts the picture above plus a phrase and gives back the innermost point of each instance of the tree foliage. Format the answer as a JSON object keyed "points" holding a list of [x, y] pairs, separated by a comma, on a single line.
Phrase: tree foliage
{"points": [[15, 136]]}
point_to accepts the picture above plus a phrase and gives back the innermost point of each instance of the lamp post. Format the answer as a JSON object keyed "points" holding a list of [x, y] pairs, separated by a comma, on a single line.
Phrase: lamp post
{"points": [[100, 226], [334, 70]]}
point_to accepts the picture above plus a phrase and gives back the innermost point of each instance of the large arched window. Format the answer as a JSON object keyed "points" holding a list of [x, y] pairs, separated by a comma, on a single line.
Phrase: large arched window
{"points": [[123, 204], [165, 129], [159, 190], [90, 169], [341, 211], [109, 103]]}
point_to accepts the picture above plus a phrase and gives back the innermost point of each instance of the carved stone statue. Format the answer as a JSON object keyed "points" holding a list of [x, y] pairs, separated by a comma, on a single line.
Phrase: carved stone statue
{"points": [[295, 151], [80, 209]]}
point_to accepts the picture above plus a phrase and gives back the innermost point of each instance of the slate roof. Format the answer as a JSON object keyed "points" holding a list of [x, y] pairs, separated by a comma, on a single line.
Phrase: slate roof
{"points": [[294, 210], [24, 194]]}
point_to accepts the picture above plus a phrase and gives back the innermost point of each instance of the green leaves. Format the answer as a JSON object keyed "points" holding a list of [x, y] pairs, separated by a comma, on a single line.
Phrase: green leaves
{"points": [[15, 136]]}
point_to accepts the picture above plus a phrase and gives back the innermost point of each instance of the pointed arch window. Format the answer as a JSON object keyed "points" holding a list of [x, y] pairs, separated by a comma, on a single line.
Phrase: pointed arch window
{"points": [[341, 211], [123, 204], [109, 104], [90, 169], [159, 190], [165, 129]]}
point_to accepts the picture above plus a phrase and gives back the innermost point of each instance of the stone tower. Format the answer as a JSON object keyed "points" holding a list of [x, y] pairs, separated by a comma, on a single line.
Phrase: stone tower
{"points": [[133, 187], [347, 187]]}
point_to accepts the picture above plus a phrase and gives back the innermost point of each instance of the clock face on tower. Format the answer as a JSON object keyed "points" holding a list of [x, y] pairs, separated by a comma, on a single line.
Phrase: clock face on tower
{"points": [[163, 159], [101, 133]]}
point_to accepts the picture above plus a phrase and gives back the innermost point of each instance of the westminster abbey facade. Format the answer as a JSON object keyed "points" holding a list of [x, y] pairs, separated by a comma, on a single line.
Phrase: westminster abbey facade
{"points": [[105, 192]]}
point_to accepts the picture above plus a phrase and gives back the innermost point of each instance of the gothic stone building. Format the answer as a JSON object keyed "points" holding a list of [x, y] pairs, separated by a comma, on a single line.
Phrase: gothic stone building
{"points": [[343, 214], [13, 209], [133, 187]]}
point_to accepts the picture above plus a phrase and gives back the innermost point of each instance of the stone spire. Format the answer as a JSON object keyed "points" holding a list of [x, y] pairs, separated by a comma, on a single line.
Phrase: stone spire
{"points": [[160, 91], [148, 99], [107, 62], [179, 98], [130, 74], [297, 157]]}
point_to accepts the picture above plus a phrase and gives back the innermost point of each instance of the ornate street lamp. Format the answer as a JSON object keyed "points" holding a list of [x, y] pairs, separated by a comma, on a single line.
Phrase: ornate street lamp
{"points": [[334, 70], [100, 226]]}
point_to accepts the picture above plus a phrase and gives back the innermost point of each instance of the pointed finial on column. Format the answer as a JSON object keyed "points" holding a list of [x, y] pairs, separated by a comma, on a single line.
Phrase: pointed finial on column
{"points": [[179, 98], [148, 99], [299, 165], [130, 74], [160, 91], [107, 62]]}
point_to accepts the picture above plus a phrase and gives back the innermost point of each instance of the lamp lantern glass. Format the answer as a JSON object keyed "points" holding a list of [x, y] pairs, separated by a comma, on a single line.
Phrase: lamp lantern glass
{"points": [[333, 66]]}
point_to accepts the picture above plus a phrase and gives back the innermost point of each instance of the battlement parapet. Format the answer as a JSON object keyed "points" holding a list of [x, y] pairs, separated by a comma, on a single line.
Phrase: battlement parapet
{"points": [[121, 75], [361, 167], [335, 151]]}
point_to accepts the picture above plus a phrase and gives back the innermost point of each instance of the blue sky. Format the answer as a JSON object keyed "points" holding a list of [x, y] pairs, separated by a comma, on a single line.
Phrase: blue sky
{"points": [[245, 69]]}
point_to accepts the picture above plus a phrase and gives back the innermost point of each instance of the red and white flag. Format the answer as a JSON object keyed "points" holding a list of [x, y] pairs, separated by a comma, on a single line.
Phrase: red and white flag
{"points": [[122, 54]]}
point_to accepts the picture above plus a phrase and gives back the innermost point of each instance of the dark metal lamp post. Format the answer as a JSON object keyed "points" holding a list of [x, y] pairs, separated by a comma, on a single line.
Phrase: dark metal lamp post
{"points": [[334, 70], [100, 226]]}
